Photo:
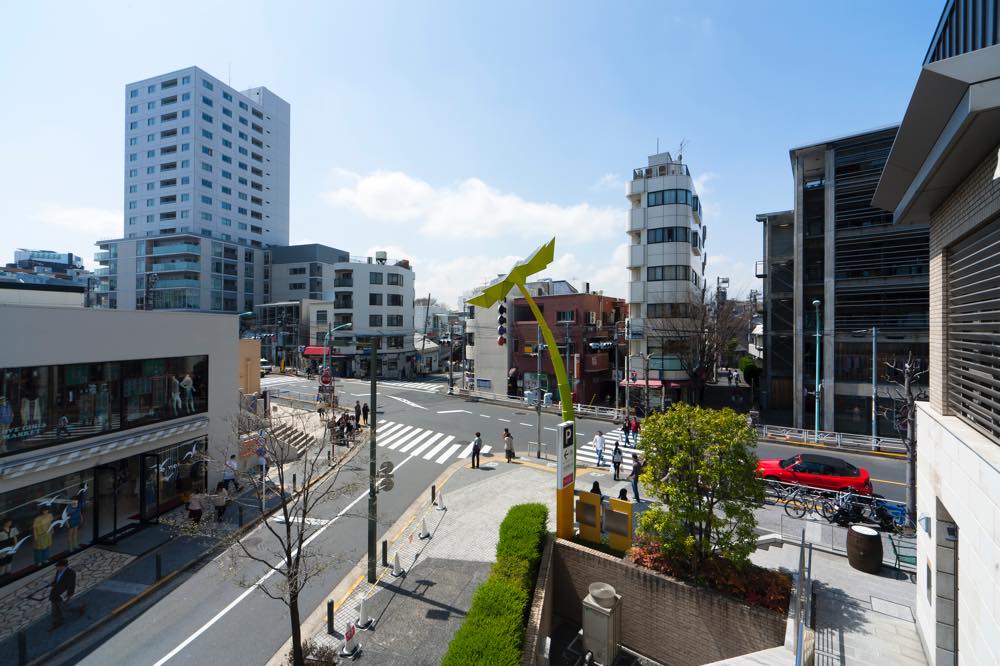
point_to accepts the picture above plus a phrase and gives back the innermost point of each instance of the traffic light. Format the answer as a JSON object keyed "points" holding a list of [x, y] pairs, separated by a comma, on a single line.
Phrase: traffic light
{"points": [[502, 325], [628, 329]]}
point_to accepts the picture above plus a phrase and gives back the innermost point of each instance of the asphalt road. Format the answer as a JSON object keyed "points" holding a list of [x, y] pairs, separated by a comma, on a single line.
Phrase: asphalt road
{"points": [[214, 616]]}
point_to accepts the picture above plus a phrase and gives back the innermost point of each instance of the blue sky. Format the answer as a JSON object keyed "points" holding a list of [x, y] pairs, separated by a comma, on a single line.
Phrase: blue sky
{"points": [[462, 134]]}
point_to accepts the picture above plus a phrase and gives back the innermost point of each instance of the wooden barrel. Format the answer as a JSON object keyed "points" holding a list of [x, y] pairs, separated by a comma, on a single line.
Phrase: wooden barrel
{"points": [[864, 549]]}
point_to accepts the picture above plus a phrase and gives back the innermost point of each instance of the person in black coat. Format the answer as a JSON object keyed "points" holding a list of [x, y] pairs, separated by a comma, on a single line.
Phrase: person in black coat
{"points": [[63, 584]]}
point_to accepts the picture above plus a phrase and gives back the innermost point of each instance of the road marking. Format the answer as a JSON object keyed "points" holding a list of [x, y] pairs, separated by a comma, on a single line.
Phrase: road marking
{"points": [[405, 401], [448, 453], [444, 442], [389, 430], [400, 442], [486, 416], [504, 420], [417, 451], [548, 428], [308, 521], [385, 440], [526, 425], [895, 483], [455, 411], [413, 442], [381, 421], [275, 567]]}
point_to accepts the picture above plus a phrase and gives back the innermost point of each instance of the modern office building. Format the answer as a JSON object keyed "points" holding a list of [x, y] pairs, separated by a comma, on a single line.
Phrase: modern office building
{"points": [[777, 273], [46, 261], [863, 271], [666, 264], [317, 289], [943, 171], [116, 421], [206, 174]]}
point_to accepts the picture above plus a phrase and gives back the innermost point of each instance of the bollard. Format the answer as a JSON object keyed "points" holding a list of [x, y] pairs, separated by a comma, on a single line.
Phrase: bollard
{"points": [[365, 621], [239, 511], [424, 534], [441, 506], [385, 553], [22, 647], [329, 617], [433, 494], [397, 568], [159, 567], [294, 484]]}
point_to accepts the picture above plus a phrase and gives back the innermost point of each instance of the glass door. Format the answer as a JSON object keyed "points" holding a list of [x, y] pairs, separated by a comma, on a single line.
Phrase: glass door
{"points": [[149, 487], [106, 521]]}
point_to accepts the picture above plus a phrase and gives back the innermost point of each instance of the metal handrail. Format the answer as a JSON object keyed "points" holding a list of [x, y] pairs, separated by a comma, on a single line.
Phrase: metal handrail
{"points": [[837, 439]]}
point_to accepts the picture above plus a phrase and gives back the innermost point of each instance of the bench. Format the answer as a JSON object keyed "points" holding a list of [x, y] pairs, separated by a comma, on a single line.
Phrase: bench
{"points": [[904, 553]]}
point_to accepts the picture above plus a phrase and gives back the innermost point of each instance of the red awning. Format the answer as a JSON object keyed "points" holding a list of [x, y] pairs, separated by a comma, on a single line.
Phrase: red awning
{"points": [[318, 351]]}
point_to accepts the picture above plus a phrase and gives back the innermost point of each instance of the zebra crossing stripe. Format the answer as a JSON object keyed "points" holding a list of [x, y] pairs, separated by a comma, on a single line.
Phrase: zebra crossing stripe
{"points": [[393, 427], [394, 436], [444, 442], [467, 451], [413, 442], [399, 442], [417, 451], [447, 454]]}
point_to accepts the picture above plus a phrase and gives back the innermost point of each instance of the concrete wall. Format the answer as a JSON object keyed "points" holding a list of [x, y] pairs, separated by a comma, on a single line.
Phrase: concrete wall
{"points": [[664, 619], [249, 366], [41, 297]]}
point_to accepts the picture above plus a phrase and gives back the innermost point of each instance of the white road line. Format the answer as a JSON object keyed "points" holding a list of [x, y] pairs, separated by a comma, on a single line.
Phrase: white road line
{"points": [[417, 451], [504, 420], [466, 452], [444, 442], [389, 430], [405, 401], [486, 416], [548, 428], [381, 421], [401, 441], [275, 567], [526, 425], [447, 454], [455, 411], [384, 441], [413, 442]]}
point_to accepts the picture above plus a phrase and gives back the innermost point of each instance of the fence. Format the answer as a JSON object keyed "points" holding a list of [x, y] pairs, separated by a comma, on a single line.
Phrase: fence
{"points": [[840, 440], [803, 598], [592, 411]]}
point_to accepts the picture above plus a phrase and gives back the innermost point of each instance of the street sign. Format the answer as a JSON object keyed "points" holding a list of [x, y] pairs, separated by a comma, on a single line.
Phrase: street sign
{"points": [[386, 485], [566, 457], [326, 378], [325, 389], [386, 468]]}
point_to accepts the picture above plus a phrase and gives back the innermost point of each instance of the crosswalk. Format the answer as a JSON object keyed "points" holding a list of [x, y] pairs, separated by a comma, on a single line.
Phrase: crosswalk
{"points": [[426, 387], [279, 380], [435, 447]]}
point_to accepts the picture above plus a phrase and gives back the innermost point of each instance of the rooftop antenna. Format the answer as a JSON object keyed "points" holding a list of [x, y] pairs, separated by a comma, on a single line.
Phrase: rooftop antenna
{"points": [[657, 145], [229, 80], [680, 150]]}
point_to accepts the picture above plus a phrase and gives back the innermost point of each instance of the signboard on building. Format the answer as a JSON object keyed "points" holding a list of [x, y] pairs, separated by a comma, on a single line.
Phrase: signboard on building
{"points": [[566, 455]]}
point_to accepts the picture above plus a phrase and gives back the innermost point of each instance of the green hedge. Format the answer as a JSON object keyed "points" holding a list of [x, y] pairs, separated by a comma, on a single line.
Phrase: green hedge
{"points": [[493, 630]]}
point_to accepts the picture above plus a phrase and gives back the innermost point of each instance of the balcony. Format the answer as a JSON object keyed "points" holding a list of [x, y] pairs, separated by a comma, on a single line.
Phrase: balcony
{"points": [[177, 284], [176, 266], [636, 292], [760, 269], [176, 248], [635, 188], [343, 304], [104, 255], [102, 271], [636, 256], [343, 282], [636, 219]]}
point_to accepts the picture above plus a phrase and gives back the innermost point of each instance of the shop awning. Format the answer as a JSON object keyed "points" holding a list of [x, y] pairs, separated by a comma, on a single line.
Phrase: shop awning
{"points": [[318, 351], [654, 383]]}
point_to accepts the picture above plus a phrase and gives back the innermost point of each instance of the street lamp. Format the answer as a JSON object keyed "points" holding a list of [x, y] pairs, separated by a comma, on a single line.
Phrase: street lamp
{"points": [[816, 304], [326, 346]]}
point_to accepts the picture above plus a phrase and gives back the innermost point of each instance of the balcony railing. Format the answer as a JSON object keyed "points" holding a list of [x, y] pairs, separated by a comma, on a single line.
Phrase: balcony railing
{"points": [[102, 256], [343, 282], [177, 248], [177, 266], [672, 169], [177, 284], [102, 271]]}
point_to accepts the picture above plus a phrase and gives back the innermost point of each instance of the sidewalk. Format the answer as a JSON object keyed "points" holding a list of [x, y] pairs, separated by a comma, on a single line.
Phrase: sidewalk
{"points": [[417, 614]]}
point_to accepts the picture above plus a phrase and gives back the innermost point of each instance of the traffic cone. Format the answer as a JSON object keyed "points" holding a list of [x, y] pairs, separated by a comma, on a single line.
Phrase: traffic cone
{"points": [[424, 534], [364, 620], [351, 645], [441, 506], [397, 569]]}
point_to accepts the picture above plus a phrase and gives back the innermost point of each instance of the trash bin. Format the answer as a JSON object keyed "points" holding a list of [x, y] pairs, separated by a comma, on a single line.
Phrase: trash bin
{"points": [[864, 549]]}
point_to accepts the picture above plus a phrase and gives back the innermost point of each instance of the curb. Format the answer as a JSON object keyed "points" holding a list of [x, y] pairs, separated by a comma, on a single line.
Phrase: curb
{"points": [[159, 584], [316, 620]]}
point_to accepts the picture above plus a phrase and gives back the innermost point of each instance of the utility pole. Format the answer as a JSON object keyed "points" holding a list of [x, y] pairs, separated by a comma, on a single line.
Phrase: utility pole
{"points": [[451, 358], [816, 305], [463, 353], [645, 358], [572, 375], [615, 338], [538, 401], [372, 471]]}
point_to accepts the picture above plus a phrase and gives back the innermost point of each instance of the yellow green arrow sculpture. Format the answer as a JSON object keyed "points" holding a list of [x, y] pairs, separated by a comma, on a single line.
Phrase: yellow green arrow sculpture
{"points": [[496, 292]]}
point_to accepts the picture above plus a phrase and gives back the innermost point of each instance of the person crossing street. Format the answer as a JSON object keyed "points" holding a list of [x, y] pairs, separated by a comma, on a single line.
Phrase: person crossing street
{"points": [[599, 448], [477, 445]]}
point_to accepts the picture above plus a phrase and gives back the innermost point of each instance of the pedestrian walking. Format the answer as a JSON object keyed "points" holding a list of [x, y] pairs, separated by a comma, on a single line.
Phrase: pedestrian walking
{"points": [[42, 535], [599, 448], [634, 476], [364, 412], [357, 411], [229, 473], [596, 489], [477, 445], [8, 541], [736, 377], [626, 430], [195, 508], [635, 431], [729, 376], [508, 444], [74, 520], [63, 584], [616, 460], [220, 499]]}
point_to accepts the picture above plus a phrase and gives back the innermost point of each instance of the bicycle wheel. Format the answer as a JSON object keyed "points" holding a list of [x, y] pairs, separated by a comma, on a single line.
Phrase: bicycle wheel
{"points": [[796, 505], [774, 489], [827, 508]]}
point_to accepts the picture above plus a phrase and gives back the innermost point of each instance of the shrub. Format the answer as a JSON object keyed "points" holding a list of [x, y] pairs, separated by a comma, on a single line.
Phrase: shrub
{"points": [[493, 630]]}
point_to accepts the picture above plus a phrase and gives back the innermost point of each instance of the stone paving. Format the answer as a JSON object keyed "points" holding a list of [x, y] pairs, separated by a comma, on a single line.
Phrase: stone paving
{"points": [[27, 600]]}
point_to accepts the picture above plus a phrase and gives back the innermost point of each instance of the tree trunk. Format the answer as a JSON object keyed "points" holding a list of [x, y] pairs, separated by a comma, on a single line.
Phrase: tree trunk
{"points": [[911, 444], [298, 658]]}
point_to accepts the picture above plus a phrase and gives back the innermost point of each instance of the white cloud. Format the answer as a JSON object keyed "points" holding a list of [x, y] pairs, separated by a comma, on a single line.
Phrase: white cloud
{"points": [[740, 273], [702, 180], [469, 210], [609, 182], [98, 223]]}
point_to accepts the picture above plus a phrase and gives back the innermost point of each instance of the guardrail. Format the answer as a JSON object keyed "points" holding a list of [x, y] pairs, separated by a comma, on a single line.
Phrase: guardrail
{"points": [[803, 598], [592, 411], [840, 440]]}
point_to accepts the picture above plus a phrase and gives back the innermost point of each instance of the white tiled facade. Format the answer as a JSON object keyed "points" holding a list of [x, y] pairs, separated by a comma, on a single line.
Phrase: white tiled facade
{"points": [[668, 235]]}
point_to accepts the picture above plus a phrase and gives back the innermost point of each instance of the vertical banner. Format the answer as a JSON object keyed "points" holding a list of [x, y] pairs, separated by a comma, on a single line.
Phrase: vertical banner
{"points": [[566, 458]]}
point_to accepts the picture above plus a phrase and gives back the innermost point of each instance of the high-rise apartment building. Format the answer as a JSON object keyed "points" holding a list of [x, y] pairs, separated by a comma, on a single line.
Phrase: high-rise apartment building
{"points": [[861, 270], [206, 174], [666, 262]]}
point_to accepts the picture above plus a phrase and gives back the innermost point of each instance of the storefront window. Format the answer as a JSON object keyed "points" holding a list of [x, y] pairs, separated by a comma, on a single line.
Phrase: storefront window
{"points": [[47, 405]]}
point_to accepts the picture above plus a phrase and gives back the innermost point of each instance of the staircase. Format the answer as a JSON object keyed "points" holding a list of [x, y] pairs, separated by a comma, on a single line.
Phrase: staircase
{"points": [[291, 442]]}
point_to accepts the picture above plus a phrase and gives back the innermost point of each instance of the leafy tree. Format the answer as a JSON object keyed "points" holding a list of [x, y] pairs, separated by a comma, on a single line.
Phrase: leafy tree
{"points": [[700, 463]]}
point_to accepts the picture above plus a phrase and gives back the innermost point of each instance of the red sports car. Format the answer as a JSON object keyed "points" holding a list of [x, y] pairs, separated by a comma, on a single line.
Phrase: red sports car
{"points": [[817, 471]]}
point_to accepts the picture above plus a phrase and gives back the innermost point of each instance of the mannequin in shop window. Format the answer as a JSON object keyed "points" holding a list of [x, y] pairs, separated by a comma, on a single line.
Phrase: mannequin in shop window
{"points": [[188, 385], [103, 405], [6, 418], [31, 405], [175, 395]]}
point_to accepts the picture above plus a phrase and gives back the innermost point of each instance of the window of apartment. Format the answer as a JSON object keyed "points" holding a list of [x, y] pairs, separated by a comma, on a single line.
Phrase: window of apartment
{"points": [[226, 143], [167, 101], [205, 133], [242, 165], [296, 286], [256, 157], [132, 173], [244, 121], [241, 210], [227, 128], [225, 205], [394, 320], [257, 114], [206, 217], [133, 140], [205, 150], [257, 186], [169, 83], [226, 190], [227, 174], [298, 270], [185, 196], [395, 279], [666, 310], [150, 153], [242, 180], [168, 199], [132, 157], [151, 89], [242, 226], [394, 341], [242, 151], [396, 300], [226, 222], [166, 134], [226, 96], [185, 97], [207, 101], [132, 221], [207, 118], [207, 84], [170, 215], [168, 150], [227, 159], [207, 200], [150, 138], [227, 112], [133, 125], [168, 182], [150, 202], [374, 278], [257, 142], [187, 163], [243, 105], [668, 235], [666, 197], [186, 113], [374, 299], [133, 93], [206, 183], [256, 128], [150, 106], [133, 109], [132, 189], [255, 229], [185, 214], [205, 166], [661, 273], [185, 130], [565, 315], [150, 186], [375, 320], [242, 196], [255, 171], [243, 135], [150, 218], [257, 216], [151, 121]]}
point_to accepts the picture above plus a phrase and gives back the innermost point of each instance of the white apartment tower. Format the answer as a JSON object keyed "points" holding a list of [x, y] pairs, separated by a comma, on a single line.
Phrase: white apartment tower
{"points": [[206, 174], [666, 264]]}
